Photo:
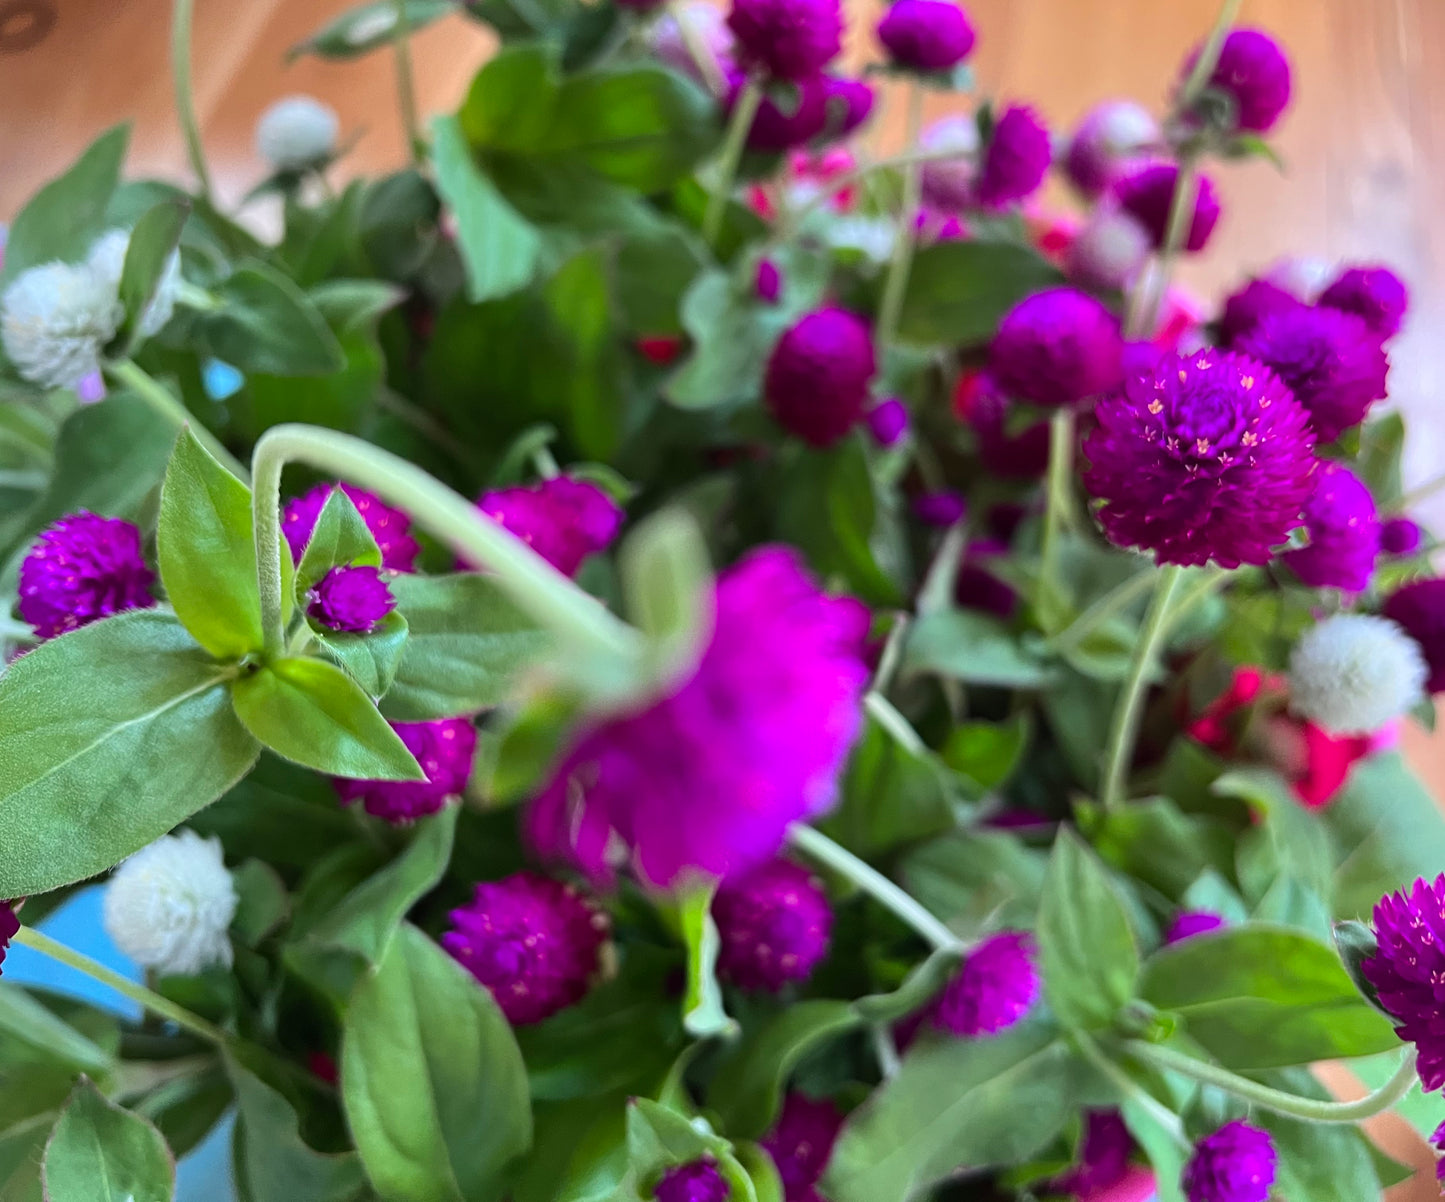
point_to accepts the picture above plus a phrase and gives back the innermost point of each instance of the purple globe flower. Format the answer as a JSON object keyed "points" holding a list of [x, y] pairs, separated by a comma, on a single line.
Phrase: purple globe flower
{"points": [[1104, 1154], [1207, 457], [562, 519], [976, 587], [1111, 136], [1420, 608], [1332, 362], [948, 183], [1376, 295], [818, 379], [1255, 72], [1343, 531], [351, 599], [888, 422], [777, 128], [532, 941], [1235, 1164], [995, 986], [1109, 251], [1056, 348], [709, 778], [790, 39], [1190, 923], [926, 35], [699, 1181], [1148, 193], [801, 1144], [1015, 454], [1406, 969], [769, 282], [1401, 536], [9, 928], [444, 750], [1245, 309], [774, 925], [81, 569], [389, 527], [849, 103], [943, 508], [1017, 158]]}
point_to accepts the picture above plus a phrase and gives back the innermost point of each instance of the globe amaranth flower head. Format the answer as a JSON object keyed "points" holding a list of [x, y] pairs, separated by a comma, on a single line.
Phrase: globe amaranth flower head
{"points": [[926, 35], [801, 1143], [1353, 673], [1109, 251], [790, 39], [107, 260], [779, 126], [1147, 192], [1056, 348], [1376, 295], [773, 924], [1016, 160], [1189, 923], [708, 779], [1111, 136], [697, 1181], [169, 906], [564, 520], [1207, 457], [1407, 967], [534, 942], [351, 599], [1245, 308], [996, 985], [1254, 72], [1104, 1153], [1342, 531], [1401, 536], [81, 569], [296, 133], [849, 103], [889, 422], [9, 928], [1419, 608], [391, 528], [1235, 1164], [444, 749], [947, 183], [1004, 448], [818, 377], [55, 320]]}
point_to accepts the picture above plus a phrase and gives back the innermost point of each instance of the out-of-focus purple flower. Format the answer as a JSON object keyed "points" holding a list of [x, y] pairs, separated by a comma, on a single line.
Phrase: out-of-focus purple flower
{"points": [[801, 1144], [709, 27], [1401, 536], [1109, 250], [562, 519], [790, 39], [698, 1181], [948, 183], [926, 35], [82, 568], [1111, 136], [1343, 532], [1016, 454], [1208, 458], [1016, 160], [444, 750], [779, 127], [1376, 295], [888, 422], [709, 778], [1104, 1154], [1189, 923], [769, 283], [9, 928], [1235, 1164], [773, 924], [995, 987], [818, 378], [849, 103], [1148, 193], [1246, 308], [1419, 607], [942, 508], [352, 599], [1056, 348], [1406, 969], [391, 528], [1255, 72], [1332, 361], [532, 941], [975, 587]]}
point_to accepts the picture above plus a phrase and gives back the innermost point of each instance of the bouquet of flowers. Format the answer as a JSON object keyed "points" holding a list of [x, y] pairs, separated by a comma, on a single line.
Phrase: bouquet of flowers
{"points": [[661, 653]]}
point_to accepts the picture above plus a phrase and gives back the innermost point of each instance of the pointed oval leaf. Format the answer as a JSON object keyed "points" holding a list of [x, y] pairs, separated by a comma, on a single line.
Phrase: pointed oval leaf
{"points": [[99, 1152], [341, 539], [148, 254]]}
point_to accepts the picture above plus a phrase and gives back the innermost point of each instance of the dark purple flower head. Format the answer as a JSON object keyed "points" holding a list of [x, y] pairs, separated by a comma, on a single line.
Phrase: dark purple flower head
{"points": [[801, 1143], [995, 986], [351, 599], [783, 126], [562, 519], [389, 527], [1420, 608], [1245, 309], [942, 508], [948, 184], [1408, 968], [534, 942], [1056, 348], [1235, 1164], [926, 35], [699, 1181], [769, 282], [818, 378], [1343, 533], [81, 569], [1016, 160], [1103, 1155], [849, 103], [444, 750], [1376, 295], [1148, 192], [9, 928], [976, 587], [1189, 923], [1016, 454], [888, 422], [1109, 138], [709, 778], [1254, 70], [1208, 457], [774, 925], [1401, 536], [1332, 361], [790, 39]]}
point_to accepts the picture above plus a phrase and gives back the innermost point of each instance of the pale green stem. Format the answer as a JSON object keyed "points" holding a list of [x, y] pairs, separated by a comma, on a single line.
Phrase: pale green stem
{"points": [[895, 287], [1310, 1109], [885, 1050], [1211, 582], [1115, 601], [130, 374], [406, 84], [734, 143], [886, 714], [181, 15], [819, 847], [545, 463], [1161, 1114], [1058, 506], [892, 654], [701, 53], [1130, 706]]}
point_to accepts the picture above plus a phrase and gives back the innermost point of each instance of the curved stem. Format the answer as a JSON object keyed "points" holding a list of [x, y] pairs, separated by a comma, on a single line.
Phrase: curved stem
{"points": [[896, 286], [739, 126], [181, 15], [1115, 601], [1277, 1100], [131, 375], [819, 847], [406, 83], [1130, 707], [1058, 507], [1166, 1119]]}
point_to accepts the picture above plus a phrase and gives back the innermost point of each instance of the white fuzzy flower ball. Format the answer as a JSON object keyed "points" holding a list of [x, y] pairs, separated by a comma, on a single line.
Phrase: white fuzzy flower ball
{"points": [[297, 132], [169, 907], [1353, 673], [107, 260], [1109, 250], [55, 320]]}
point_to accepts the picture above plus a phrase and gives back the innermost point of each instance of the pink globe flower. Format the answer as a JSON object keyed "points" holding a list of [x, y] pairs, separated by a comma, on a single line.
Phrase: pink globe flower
{"points": [[926, 35], [1342, 530], [994, 988], [351, 599], [1016, 160], [82, 568], [818, 379], [443, 748], [790, 39], [389, 527], [1254, 71], [564, 520], [774, 925], [1057, 347], [1148, 193]]}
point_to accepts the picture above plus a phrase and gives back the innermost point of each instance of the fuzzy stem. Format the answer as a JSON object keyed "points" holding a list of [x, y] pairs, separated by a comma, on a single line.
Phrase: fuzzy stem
{"points": [[735, 142], [819, 847], [1115, 601], [406, 84], [1059, 505], [896, 285], [1130, 706], [1168, 1121], [1310, 1109], [181, 15], [131, 375]]}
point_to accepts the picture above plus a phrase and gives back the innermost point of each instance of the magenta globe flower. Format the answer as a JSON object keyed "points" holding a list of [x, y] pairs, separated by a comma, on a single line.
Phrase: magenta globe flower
{"points": [[926, 35], [443, 748], [564, 520], [888, 422], [849, 103], [1016, 160], [1401, 536], [1406, 969], [1148, 193], [82, 568], [1190, 923], [1254, 71], [1110, 138], [1208, 457], [774, 924], [1056, 348], [942, 508], [1376, 295], [699, 1181], [777, 128], [708, 779], [1419, 608], [801, 1144], [1104, 1154], [389, 527], [351, 599], [1015, 454], [790, 39], [1246, 308], [1343, 533], [994, 988], [1235, 1164], [532, 941], [818, 378], [9, 928]]}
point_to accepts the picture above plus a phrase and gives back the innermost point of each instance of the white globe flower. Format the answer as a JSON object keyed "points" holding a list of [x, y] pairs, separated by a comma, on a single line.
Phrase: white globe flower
{"points": [[297, 132], [1353, 673], [55, 320], [169, 907], [107, 260], [872, 236]]}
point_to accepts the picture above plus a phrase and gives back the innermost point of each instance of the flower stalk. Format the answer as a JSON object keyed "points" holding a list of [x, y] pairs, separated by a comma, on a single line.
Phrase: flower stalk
{"points": [[895, 287], [745, 111], [181, 20], [406, 85]]}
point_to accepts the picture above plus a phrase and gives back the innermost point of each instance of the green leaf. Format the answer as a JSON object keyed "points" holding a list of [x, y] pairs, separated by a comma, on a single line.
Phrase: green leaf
{"points": [[31, 1030], [186, 1109], [21, 1149], [987, 753], [262, 904], [974, 648], [703, 1015], [148, 254], [101, 1153], [341, 539], [266, 324], [1090, 960], [350, 306], [433, 1084], [970, 876], [370, 659], [110, 736], [311, 712], [1155, 843], [1262, 997], [208, 553], [659, 1138], [959, 291], [367, 27]]}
